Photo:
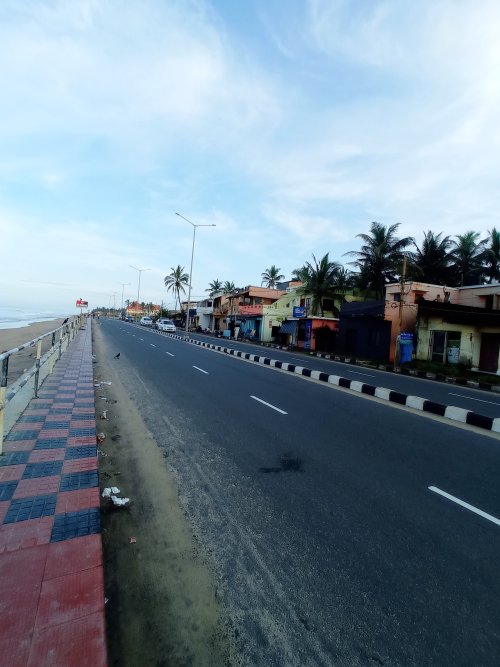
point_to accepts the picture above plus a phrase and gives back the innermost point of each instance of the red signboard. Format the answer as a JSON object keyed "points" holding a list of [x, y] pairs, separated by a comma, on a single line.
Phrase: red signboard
{"points": [[80, 303]]}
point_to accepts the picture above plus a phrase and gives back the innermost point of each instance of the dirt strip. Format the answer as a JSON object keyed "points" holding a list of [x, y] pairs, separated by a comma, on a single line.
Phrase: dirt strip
{"points": [[162, 608]]}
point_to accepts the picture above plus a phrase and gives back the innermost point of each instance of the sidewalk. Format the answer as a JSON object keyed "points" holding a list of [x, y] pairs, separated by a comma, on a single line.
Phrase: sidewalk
{"points": [[51, 570]]}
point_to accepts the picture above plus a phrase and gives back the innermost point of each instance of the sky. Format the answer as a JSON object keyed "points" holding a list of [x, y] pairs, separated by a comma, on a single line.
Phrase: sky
{"points": [[290, 125]]}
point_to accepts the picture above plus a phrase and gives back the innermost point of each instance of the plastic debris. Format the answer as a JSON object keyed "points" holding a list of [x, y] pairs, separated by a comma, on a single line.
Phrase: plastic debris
{"points": [[101, 453], [101, 437], [119, 502], [104, 415], [110, 490], [132, 540]]}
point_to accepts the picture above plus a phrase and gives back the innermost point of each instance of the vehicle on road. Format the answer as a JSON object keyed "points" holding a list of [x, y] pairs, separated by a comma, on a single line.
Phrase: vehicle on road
{"points": [[146, 321], [164, 324]]}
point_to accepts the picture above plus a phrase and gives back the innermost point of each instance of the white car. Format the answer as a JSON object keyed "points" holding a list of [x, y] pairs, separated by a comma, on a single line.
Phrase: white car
{"points": [[146, 321], [165, 325]]}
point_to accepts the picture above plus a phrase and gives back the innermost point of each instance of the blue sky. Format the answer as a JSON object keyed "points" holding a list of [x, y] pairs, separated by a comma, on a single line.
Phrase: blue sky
{"points": [[290, 125]]}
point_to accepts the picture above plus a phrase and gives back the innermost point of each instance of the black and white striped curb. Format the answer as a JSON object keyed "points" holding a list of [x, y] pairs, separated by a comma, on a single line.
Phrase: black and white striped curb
{"points": [[416, 402]]}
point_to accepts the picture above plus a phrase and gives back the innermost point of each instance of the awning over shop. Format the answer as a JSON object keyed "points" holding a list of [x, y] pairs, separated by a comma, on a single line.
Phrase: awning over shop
{"points": [[288, 327]]}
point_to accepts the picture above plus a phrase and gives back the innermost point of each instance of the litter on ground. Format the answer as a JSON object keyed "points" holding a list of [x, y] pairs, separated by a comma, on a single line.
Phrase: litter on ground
{"points": [[110, 490]]}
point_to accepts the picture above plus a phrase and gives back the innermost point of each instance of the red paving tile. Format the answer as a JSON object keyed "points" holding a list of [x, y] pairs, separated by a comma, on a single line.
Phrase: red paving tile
{"points": [[18, 609], [70, 556], [82, 423], [39, 486], [69, 597], [72, 501], [79, 465], [15, 650], [4, 506], [43, 455], [81, 643], [81, 440], [10, 473], [28, 563], [23, 534], [54, 433]]}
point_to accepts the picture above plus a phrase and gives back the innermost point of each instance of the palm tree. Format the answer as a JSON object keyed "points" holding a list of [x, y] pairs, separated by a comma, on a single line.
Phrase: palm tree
{"points": [[214, 288], [431, 262], [380, 257], [491, 256], [175, 282], [301, 274], [466, 255], [321, 282], [271, 277], [228, 287]]}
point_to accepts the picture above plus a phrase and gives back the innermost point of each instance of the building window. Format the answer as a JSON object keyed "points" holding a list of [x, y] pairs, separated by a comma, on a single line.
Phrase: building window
{"points": [[445, 346], [396, 296]]}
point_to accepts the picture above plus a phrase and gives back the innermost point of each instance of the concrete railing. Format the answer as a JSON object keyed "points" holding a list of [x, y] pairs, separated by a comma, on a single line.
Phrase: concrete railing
{"points": [[59, 340]]}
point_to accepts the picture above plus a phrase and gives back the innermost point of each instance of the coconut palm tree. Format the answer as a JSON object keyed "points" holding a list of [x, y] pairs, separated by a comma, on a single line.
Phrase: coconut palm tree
{"points": [[228, 287], [214, 288], [431, 261], [175, 282], [271, 277], [301, 274], [466, 255], [380, 257], [321, 282], [491, 256]]}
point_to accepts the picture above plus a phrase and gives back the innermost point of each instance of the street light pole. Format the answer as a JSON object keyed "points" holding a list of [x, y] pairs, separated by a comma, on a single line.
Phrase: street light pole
{"points": [[139, 283], [191, 269], [123, 288]]}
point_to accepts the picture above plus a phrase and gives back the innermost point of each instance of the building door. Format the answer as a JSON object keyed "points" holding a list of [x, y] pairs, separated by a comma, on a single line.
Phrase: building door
{"points": [[488, 357], [438, 346]]}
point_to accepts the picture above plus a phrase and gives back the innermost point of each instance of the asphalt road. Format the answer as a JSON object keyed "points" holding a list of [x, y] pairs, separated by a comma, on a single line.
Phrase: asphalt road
{"points": [[323, 511], [483, 402]]}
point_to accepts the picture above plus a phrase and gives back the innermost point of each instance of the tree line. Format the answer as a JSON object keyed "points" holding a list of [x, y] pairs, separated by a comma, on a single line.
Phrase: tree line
{"points": [[383, 258]]}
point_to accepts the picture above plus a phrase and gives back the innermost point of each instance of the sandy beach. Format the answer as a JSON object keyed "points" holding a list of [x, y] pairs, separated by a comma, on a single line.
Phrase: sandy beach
{"points": [[24, 360]]}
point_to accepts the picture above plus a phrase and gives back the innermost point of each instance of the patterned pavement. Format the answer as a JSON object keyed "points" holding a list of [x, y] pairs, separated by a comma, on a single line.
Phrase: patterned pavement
{"points": [[51, 569]]}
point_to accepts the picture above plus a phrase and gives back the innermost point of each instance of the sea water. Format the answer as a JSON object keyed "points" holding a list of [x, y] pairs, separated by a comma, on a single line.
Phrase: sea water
{"points": [[14, 318]]}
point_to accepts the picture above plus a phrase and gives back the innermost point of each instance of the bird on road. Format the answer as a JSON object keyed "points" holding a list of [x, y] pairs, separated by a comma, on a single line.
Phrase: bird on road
{"points": [[117, 356]]}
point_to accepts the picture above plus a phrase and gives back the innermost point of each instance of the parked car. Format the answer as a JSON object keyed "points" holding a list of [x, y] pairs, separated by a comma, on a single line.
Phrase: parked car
{"points": [[164, 324], [146, 321]]}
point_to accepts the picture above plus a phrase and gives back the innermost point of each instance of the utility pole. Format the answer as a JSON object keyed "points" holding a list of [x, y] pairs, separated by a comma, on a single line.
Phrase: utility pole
{"points": [[402, 294]]}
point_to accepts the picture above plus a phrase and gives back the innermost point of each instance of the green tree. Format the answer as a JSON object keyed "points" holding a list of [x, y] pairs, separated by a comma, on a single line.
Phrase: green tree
{"points": [[491, 256], [321, 282], [214, 288], [271, 277], [380, 257], [430, 262], [176, 281], [466, 256], [228, 287], [301, 274]]}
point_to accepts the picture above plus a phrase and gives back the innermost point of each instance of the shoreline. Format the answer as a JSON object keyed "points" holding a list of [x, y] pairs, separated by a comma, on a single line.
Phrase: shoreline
{"points": [[14, 337]]}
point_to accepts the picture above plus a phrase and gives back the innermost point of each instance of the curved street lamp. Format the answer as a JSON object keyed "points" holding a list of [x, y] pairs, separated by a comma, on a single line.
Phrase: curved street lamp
{"points": [[191, 270]]}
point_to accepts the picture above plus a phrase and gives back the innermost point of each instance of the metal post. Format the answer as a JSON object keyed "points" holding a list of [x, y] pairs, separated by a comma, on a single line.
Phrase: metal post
{"points": [[37, 365], [60, 344], [190, 281], [3, 392]]}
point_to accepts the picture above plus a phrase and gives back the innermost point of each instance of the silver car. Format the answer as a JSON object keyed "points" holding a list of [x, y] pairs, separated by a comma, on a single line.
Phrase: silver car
{"points": [[164, 324], [146, 321]]}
